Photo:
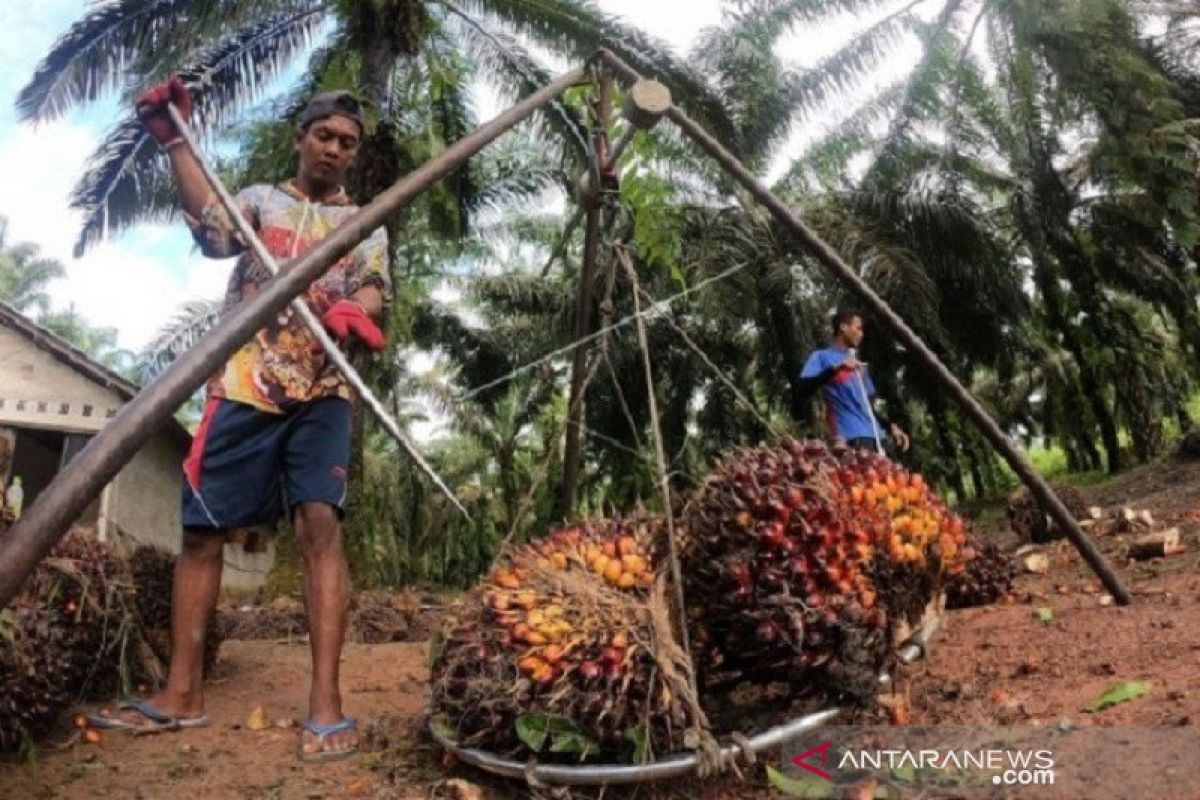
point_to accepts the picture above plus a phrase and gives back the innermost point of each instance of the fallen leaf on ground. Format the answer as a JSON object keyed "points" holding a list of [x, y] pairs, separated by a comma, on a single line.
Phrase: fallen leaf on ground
{"points": [[258, 720], [898, 707], [1118, 693], [359, 788]]}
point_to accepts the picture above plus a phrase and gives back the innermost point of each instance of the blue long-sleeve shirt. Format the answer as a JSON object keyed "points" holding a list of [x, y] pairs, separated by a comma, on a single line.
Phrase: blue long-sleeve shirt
{"points": [[846, 409]]}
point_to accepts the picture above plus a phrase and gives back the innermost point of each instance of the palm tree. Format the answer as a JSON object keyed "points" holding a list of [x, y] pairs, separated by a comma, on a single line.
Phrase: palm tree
{"points": [[24, 274], [411, 59], [98, 343], [953, 140]]}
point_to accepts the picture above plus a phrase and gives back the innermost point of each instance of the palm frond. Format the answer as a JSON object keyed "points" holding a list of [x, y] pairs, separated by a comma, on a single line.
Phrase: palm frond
{"points": [[515, 169], [577, 28], [226, 77], [127, 181], [787, 15], [824, 161], [516, 73], [102, 51], [193, 320], [842, 72]]}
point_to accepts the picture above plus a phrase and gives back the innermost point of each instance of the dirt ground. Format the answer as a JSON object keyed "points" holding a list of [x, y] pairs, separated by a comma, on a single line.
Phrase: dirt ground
{"points": [[995, 665]]}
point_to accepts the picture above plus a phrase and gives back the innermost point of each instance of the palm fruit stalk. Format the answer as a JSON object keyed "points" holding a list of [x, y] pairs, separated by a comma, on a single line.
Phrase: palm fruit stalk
{"points": [[800, 563], [566, 646], [988, 576], [71, 633], [154, 578]]}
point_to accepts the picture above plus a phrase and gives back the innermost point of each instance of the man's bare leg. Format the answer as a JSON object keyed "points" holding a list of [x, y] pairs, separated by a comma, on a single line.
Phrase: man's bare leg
{"points": [[327, 594], [193, 600]]}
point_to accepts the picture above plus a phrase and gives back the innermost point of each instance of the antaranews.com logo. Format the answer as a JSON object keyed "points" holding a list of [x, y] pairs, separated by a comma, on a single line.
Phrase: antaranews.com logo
{"points": [[1007, 767], [1027, 763]]}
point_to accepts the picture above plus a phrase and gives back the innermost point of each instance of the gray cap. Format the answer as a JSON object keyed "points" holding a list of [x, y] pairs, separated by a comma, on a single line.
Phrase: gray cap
{"points": [[327, 104]]}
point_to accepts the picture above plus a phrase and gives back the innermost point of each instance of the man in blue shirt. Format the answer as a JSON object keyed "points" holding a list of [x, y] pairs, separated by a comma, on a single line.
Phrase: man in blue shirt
{"points": [[847, 389]]}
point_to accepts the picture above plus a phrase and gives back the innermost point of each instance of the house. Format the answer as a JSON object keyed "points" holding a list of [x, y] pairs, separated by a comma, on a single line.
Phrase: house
{"points": [[53, 399]]}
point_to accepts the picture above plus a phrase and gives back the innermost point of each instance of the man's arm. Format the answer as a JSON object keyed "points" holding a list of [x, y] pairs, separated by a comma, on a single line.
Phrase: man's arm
{"points": [[812, 377], [190, 184], [810, 385], [214, 232]]}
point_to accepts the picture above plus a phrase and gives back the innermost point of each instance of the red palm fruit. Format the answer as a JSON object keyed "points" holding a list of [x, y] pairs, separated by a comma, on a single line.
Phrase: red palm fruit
{"points": [[590, 670]]}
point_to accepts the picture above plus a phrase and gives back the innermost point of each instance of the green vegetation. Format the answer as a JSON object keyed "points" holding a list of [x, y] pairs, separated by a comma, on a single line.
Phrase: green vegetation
{"points": [[1024, 196]]}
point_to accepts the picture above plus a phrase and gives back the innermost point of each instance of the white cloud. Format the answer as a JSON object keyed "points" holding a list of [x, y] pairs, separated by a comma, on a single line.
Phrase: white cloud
{"points": [[133, 282], [677, 22]]}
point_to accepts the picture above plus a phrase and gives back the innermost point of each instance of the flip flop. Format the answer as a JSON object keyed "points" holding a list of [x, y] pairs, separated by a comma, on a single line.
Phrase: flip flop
{"points": [[322, 732], [156, 721]]}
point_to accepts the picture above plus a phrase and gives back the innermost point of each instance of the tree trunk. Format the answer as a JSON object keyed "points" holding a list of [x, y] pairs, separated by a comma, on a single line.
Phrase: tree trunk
{"points": [[572, 455]]}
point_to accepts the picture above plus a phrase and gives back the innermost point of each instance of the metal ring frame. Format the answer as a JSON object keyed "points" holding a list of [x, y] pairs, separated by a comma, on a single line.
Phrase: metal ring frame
{"points": [[674, 766]]}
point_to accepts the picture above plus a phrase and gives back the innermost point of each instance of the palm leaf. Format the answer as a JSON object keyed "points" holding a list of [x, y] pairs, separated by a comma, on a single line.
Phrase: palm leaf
{"points": [[191, 322], [126, 180], [577, 28], [100, 52], [516, 73], [514, 169]]}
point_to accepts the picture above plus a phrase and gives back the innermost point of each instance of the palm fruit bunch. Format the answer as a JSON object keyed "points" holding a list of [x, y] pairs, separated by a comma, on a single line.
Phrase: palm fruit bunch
{"points": [[566, 644], [1030, 521], [921, 543], [154, 578], [68, 634], [988, 575], [801, 561]]}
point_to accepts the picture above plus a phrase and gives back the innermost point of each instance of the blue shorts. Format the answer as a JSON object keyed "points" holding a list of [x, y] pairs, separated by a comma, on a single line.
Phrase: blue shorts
{"points": [[246, 467]]}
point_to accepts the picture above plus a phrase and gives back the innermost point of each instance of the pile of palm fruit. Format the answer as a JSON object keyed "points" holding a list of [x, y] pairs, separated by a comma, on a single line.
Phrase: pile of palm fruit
{"points": [[72, 632], [1030, 521], [801, 566], [988, 576], [566, 646]]}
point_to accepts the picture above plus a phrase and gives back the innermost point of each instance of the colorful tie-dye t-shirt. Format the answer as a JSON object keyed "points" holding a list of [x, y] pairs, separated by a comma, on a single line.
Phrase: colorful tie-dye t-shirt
{"points": [[283, 364]]}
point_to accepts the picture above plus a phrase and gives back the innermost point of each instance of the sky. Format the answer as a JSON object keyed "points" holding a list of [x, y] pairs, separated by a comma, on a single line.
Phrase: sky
{"points": [[135, 281]]}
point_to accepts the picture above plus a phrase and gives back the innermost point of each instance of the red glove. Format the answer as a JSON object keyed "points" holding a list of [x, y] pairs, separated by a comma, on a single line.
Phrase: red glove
{"points": [[152, 108], [345, 317]]}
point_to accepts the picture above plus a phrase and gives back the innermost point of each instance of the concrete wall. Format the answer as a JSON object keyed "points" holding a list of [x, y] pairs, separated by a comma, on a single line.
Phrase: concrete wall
{"points": [[39, 391], [144, 501]]}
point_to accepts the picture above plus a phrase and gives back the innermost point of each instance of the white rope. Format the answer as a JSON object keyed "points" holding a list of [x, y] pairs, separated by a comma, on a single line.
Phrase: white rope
{"points": [[657, 307], [862, 388], [708, 362]]}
